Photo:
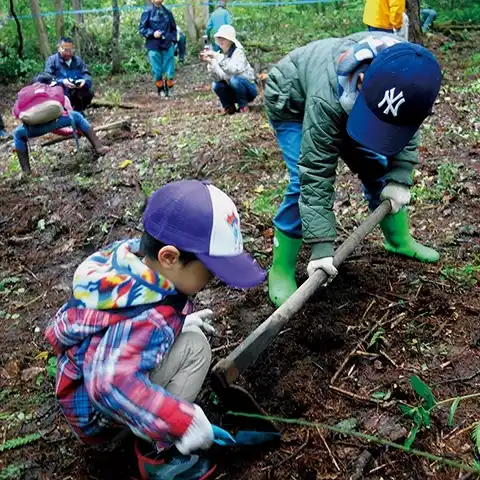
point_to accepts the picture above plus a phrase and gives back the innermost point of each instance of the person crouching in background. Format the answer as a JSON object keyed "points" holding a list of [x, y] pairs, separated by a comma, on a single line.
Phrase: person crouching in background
{"points": [[234, 77]]}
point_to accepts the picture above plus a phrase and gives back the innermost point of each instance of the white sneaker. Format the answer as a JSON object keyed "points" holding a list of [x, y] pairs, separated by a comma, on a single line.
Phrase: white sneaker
{"points": [[162, 94]]}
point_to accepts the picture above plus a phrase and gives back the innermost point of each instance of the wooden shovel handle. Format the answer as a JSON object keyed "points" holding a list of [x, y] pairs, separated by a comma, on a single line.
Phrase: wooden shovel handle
{"points": [[252, 347]]}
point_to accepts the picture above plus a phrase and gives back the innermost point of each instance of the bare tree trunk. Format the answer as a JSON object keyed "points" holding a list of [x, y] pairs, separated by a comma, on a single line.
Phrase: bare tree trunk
{"points": [[59, 19], [196, 17], [116, 61], [415, 29], [19, 30], [79, 27], [44, 44]]}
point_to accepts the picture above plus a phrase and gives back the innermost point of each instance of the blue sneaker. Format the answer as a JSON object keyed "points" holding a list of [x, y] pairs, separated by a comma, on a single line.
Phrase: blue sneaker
{"points": [[169, 464], [4, 135]]}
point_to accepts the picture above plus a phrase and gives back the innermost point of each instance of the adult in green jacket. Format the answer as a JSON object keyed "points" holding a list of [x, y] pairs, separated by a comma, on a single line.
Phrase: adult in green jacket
{"points": [[361, 98]]}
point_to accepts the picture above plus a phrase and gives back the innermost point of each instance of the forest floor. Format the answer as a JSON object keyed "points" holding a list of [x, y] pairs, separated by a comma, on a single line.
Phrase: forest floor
{"points": [[76, 204]]}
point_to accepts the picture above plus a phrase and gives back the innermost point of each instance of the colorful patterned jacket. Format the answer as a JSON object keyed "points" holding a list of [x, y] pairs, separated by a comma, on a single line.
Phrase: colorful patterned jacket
{"points": [[120, 322]]}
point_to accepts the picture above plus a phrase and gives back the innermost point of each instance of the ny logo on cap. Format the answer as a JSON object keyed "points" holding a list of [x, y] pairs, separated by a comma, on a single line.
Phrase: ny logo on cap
{"points": [[390, 100]]}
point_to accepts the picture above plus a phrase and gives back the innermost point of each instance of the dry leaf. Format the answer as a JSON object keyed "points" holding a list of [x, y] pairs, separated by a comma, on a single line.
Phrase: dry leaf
{"points": [[125, 164]]}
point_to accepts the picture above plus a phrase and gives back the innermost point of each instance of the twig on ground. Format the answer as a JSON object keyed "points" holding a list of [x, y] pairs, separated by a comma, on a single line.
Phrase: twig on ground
{"points": [[227, 345], [459, 432], [108, 126], [293, 455], [355, 396], [328, 450], [370, 305], [461, 379], [357, 347], [31, 273], [25, 305], [98, 102], [380, 467], [388, 358]]}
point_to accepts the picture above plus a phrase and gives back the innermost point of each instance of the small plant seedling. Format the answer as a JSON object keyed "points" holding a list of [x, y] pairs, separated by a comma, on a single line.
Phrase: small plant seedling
{"points": [[378, 335], [52, 367]]}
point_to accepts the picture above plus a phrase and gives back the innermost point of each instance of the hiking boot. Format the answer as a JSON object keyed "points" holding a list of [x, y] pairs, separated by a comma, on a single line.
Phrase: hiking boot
{"points": [[243, 110], [160, 88], [228, 111], [24, 160], [169, 464], [398, 239], [281, 276]]}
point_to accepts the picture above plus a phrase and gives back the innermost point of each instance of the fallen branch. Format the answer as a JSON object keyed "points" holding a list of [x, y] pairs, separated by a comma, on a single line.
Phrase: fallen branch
{"points": [[98, 102], [461, 379], [125, 124]]}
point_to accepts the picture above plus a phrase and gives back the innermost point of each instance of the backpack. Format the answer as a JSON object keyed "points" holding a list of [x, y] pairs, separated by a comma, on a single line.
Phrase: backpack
{"points": [[38, 104]]}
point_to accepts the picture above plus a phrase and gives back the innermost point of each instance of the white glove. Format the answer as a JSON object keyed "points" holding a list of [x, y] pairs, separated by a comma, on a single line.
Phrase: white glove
{"points": [[198, 435], [81, 83], [199, 321], [398, 194], [325, 264], [68, 83]]}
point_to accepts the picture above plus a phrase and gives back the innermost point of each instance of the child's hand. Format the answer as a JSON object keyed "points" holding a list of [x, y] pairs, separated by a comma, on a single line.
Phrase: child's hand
{"points": [[157, 34], [198, 435], [199, 320]]}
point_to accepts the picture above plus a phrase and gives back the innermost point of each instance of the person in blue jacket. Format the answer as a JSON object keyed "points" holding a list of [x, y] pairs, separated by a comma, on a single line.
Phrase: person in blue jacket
{"points": [[220, 16], [158, 26], [71, 72]]}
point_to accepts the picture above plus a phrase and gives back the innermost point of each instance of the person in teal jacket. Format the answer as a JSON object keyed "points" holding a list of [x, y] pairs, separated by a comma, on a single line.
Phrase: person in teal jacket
{"points": [[220, 16]]}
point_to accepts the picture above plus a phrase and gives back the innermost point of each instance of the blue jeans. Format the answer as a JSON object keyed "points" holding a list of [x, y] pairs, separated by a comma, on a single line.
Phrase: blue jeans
{"points": [[370, 167], [375, 29], [163, 63], [23, 132], [427, 16], [238, 90]]}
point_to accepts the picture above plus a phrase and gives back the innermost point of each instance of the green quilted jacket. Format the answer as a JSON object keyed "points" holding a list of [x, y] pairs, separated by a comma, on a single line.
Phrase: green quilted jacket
{"points": [[302, 88]]}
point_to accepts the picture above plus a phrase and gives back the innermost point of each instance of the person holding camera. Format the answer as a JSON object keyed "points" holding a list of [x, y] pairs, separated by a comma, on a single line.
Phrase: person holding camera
{"points": [[234, 77], [71, 72]]}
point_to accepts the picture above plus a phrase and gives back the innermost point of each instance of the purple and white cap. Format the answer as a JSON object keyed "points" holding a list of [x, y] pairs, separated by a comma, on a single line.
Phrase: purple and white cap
{"points": [[199, 218]]}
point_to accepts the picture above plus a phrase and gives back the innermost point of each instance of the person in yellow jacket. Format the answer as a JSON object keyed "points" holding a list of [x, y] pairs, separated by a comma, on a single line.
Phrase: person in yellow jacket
{"points": [[384, 15]]}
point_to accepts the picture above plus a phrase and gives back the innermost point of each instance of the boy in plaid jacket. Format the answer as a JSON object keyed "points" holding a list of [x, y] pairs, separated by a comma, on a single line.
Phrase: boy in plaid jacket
{"points": [[130, 351]]}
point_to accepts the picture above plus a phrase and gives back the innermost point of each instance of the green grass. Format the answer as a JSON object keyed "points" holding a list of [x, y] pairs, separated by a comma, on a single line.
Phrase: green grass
{"points": [[466, 275], [474, 65], [267, 201], [446, 184]]}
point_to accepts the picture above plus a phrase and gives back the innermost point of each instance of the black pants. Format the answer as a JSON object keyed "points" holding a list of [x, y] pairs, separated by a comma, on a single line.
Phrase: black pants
{"points": [[181, 47], [81, 98], [2, 125]]}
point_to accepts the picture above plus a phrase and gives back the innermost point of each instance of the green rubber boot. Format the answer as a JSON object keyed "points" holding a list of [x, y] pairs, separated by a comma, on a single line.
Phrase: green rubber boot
{"points": [[398, 239], [281, 276]]}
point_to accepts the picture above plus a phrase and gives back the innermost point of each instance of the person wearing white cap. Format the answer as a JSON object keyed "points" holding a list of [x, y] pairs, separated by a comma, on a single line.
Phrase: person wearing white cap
{"points": [[234, 77]]}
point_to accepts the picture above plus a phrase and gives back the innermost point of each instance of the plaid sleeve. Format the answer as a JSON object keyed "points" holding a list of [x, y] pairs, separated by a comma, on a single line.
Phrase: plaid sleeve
{"points": [[116, 378]]}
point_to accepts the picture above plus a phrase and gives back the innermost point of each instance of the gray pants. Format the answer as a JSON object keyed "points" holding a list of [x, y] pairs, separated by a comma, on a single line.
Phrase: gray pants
{"points": [[184, 368], [181, 372]]}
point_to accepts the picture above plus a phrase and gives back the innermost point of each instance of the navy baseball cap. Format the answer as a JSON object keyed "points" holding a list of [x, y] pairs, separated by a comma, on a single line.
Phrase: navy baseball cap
{"points": [[199, 218], [398, 93]]}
